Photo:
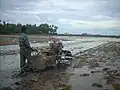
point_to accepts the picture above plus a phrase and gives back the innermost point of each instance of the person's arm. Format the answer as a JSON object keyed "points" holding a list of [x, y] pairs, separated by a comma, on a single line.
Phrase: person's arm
{"points": [[26, 43]]}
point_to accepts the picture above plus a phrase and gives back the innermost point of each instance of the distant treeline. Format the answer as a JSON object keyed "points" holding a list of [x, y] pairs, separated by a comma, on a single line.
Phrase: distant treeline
{"points": [[90, 35], [8, 28], [43, 29]]}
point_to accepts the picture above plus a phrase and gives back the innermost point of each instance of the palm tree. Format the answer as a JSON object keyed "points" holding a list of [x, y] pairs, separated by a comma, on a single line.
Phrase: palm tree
{"points": [[4, 23]]}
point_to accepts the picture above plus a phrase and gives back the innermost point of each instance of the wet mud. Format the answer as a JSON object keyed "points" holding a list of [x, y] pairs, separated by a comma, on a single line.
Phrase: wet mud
{"points": [[97, 68]]}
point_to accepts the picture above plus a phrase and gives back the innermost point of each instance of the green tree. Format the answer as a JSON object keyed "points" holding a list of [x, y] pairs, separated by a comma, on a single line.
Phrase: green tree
{"points": [[7, 28]]}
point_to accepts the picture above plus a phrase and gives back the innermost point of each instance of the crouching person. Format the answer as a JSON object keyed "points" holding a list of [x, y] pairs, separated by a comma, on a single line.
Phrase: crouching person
{"points": [[60, 46]]}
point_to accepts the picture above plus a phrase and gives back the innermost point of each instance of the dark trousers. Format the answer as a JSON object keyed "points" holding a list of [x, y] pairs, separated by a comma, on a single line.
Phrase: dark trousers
{"points": [[23, 58]]}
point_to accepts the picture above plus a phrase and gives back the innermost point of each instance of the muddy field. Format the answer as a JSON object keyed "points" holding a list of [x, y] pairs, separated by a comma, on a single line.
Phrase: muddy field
{"points": [[96, 66], [14, 39], [95, 69]]}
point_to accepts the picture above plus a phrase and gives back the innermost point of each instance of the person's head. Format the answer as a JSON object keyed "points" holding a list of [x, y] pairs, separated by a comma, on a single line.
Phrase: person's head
{"points": [[23, 29]]}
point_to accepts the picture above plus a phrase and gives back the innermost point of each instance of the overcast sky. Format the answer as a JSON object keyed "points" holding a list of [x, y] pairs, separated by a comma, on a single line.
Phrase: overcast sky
{"points": [[73, 16]]}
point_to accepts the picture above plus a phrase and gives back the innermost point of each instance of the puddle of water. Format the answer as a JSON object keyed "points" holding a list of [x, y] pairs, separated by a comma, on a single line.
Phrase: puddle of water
{"points": [[16, 47], [85, 82], [9, 62], [82, 83], [8, 65]]}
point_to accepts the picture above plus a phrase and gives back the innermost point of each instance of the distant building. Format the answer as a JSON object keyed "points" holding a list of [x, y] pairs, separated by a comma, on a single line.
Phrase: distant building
{"points": [[66, 33]]}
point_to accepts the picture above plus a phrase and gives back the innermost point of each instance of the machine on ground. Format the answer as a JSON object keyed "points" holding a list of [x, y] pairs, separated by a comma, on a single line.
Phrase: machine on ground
{"points": [[46, 58]]}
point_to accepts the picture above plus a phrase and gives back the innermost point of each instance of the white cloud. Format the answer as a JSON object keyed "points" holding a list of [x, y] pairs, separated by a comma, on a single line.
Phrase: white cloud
{"points": [[99, 14], [101, 17], [49, 19], [101, 24]]}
